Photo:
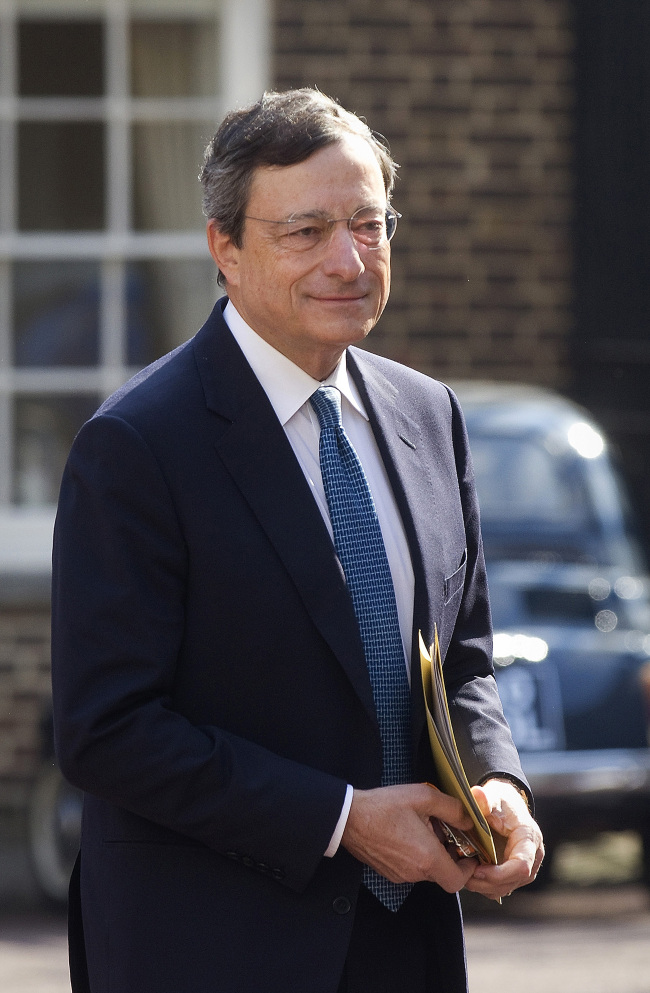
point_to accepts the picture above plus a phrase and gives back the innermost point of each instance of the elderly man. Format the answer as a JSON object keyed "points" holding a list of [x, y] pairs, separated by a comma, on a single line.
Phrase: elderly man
{"points": [[250, 535]]}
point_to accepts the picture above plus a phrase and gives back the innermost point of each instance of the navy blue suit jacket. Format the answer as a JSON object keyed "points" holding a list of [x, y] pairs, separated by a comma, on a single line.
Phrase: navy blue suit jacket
{"points": [[210, 690]]}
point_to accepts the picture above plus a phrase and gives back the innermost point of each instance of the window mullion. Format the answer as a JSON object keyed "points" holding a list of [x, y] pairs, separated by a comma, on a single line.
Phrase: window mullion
{"points": [[7, 224], [6, 449], [113, 320], [8, 60], [118, 159], [245, 28], [118, 192], [6, 398]]}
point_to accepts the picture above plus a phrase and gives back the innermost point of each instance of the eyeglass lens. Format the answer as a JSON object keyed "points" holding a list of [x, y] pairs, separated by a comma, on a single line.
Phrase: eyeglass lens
{"points": [[368, 226]]}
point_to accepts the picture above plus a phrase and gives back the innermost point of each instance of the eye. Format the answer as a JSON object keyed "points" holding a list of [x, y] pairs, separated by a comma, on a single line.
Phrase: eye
{"points": [[304, 234], [369, 229], [372, 224], [304, 231], [306, 228]]}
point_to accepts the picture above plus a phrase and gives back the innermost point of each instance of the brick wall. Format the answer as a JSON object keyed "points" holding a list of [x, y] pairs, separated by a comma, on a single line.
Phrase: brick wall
{"points": [[24, 697], [475, 97]]}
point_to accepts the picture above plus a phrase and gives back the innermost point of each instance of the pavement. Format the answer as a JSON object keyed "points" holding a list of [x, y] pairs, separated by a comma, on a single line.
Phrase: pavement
{"points": [[564, 940], [33, 953], [590, 939], [573, 937]]}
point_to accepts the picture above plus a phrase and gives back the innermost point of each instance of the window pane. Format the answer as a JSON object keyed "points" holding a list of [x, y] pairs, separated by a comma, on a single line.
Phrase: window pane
{"points": [[519, 480], [60, 176], [168, 301], [45, 429], [166, 163], [173, 58], [56, 313], [61, 58]]}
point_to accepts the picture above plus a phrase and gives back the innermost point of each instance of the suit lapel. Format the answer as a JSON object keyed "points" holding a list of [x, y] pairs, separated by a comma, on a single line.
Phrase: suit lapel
{"points": [[254, 448], [412, 478]]}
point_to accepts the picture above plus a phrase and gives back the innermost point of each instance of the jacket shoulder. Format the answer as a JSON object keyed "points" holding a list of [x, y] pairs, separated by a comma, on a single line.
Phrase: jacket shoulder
{"points": [[169, 389], [416, 389]]}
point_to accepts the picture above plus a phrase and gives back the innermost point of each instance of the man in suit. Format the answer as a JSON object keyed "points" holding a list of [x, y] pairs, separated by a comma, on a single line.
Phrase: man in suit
{"points": [[217, 688]]}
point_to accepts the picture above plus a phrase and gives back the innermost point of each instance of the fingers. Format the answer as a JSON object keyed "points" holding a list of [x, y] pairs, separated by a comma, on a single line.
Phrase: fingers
{"points": [[481, 799], [497, 881], [453, 875], [433, 862], [508, 815], [391, 830], [539, 858], [446, 808]]}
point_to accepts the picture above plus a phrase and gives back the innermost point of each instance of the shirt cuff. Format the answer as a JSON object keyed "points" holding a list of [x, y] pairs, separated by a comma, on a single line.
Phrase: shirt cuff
{"points": [[335, 840]]}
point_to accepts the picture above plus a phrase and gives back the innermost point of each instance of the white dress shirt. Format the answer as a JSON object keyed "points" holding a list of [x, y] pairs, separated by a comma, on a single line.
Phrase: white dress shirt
{"points": [[289, 388]]}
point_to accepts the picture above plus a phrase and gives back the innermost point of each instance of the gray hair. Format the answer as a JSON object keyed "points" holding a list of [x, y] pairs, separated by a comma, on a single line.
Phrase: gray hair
{"points": [[281, 129]]}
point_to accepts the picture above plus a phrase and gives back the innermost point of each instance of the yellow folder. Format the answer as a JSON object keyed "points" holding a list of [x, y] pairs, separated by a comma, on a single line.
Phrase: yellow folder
{"points": [[478, 841]]}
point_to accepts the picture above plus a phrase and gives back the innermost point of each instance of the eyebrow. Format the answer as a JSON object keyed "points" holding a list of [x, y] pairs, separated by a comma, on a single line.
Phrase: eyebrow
{"points": [[325, 215], [307, 214]]}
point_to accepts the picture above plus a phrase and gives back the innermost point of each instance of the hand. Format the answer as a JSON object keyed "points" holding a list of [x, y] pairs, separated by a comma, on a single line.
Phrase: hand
{"points": [[507, 814], [391, 829]]}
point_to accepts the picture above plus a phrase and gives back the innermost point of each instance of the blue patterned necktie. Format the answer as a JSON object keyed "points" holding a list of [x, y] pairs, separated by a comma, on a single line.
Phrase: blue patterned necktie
{"points": [[361, 551]]}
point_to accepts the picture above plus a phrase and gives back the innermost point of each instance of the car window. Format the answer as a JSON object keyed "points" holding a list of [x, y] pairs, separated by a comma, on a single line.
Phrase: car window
{"points": [[519, 480], [539, 501]]}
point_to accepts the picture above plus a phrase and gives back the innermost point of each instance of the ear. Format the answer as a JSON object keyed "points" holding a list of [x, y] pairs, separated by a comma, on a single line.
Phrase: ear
{"points": [[224, 252]]}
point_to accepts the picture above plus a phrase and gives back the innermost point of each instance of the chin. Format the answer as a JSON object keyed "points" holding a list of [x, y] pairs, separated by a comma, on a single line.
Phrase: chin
{"points": [[354, 326], [347, 336]]}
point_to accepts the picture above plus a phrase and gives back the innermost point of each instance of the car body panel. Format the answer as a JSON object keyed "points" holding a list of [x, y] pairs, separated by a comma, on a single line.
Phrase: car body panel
{"points": [[569, 592]]}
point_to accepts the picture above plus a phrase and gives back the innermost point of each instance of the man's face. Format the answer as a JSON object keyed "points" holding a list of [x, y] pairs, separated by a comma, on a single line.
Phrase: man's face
{"points": [[309, 304]]}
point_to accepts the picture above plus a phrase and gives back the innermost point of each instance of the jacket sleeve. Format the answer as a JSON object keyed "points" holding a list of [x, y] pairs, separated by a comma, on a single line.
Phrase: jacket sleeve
{"points": [[118, 603], [480, 728]]}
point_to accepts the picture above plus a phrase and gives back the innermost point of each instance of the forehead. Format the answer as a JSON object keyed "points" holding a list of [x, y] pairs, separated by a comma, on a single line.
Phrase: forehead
{"points": [[340, 177]]}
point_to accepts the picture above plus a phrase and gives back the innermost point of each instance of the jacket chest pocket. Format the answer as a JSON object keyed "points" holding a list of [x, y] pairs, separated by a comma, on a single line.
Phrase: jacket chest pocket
{"points": [[454, 584]]}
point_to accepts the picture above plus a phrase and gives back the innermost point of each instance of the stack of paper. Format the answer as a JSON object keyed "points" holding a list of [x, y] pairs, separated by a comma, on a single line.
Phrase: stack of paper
{"points": [[479, 840]]}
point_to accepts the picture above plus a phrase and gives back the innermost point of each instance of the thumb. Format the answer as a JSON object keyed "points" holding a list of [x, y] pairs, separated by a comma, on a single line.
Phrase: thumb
{"points": [[493, 812], [481, 798], [445, 808]]}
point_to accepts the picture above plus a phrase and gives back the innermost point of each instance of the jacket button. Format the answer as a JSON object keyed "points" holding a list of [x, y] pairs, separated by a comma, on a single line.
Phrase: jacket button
{"points": [[342, 905]]}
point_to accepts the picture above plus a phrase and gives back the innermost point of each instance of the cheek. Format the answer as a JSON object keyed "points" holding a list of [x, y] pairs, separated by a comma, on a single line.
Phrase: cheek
{"points": [[383, 275], [259, 280], [274, 276], [384, 282]]}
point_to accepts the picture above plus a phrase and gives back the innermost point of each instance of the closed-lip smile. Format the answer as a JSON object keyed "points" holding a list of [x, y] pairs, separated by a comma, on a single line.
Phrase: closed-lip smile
{"points": [[339, 298]]}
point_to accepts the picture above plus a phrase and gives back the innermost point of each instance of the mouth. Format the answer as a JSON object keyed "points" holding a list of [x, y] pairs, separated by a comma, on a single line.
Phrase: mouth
{"points": [[339, 298]]}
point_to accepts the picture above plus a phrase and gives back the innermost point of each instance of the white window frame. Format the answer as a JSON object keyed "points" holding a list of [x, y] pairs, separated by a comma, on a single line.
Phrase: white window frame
{"points": [[244, 73]]}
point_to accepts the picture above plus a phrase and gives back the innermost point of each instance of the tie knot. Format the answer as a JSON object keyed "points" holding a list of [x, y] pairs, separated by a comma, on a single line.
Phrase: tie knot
{"points": [[326, 401]]}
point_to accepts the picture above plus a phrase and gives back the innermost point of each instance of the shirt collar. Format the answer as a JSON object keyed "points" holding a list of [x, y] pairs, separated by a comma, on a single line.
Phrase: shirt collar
{"points": [[287, 386]]}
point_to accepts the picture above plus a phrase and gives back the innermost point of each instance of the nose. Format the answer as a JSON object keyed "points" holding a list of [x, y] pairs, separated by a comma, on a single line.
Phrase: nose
{"points": [[342, 257]]}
